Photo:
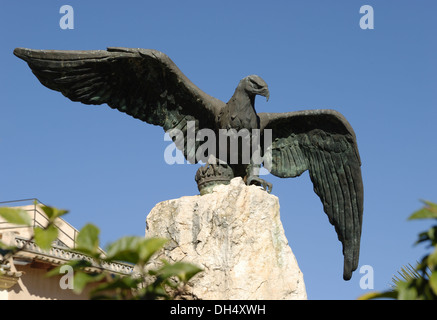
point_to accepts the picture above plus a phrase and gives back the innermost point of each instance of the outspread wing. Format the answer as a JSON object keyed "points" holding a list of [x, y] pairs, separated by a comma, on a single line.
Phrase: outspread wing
{"points": [[143, 83], [323, 142]]}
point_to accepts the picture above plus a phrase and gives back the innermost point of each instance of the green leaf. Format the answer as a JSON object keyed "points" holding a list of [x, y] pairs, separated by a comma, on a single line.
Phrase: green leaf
{"points": [[432, 234], [153, 292], [431, 205], [423, 236], [407, 291], [433, 282], [87, 240], [184, 271], [53, 213], [82, 279], [149, 246], [432, 260], [136, 250], [45, 237], [124, 249], [16, 216], [379, 295], [428, 212]]}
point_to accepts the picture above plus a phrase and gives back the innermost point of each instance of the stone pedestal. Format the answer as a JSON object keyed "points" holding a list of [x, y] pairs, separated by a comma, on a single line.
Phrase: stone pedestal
{"points": [[236, 236]]}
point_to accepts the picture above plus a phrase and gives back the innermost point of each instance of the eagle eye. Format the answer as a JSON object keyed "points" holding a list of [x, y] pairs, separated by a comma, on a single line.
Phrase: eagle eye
{"points": [[255, 84]]}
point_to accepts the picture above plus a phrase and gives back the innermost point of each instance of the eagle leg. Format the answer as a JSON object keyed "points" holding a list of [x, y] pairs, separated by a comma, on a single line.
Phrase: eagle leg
{"points": [[253, 178]]}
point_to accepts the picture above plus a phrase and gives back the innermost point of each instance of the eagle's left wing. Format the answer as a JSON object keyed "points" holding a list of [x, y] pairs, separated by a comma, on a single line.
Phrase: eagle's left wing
{"points": [[143, 83], [323, 142]]}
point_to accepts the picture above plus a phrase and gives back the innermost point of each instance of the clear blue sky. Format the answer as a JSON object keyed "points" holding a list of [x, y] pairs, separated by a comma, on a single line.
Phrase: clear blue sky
{"points": [[108, 168]]}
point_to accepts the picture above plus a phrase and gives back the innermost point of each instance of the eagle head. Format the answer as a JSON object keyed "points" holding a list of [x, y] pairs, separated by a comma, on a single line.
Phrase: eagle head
{"points": [[255, 85]]}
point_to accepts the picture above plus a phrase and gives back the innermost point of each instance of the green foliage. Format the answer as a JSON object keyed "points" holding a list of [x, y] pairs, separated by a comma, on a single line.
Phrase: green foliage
{"points": [[166, 282], [418, 282]]}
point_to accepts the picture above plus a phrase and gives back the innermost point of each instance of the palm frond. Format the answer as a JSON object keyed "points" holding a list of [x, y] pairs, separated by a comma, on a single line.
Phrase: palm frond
{"points": [[408, 273]]}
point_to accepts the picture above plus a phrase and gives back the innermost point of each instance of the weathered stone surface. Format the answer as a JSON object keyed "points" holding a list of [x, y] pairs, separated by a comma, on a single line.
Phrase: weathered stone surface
{"points": [[236, 236]]}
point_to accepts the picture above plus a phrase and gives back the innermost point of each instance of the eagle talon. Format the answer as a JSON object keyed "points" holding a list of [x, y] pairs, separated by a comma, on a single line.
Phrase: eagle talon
{"points": [[267, 186]]}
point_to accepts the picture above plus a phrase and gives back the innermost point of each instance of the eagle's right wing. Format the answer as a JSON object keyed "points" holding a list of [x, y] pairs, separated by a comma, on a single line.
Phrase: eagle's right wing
{"points": [[143, 83], [323, 142]]}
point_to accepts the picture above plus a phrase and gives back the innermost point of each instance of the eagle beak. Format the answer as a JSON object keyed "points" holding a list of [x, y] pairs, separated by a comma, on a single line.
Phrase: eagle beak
{"points": [[266, 94]]}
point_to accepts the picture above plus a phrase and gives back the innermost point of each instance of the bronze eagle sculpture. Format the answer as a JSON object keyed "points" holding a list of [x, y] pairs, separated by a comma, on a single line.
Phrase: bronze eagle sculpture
{"points": [[147, 85]]}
